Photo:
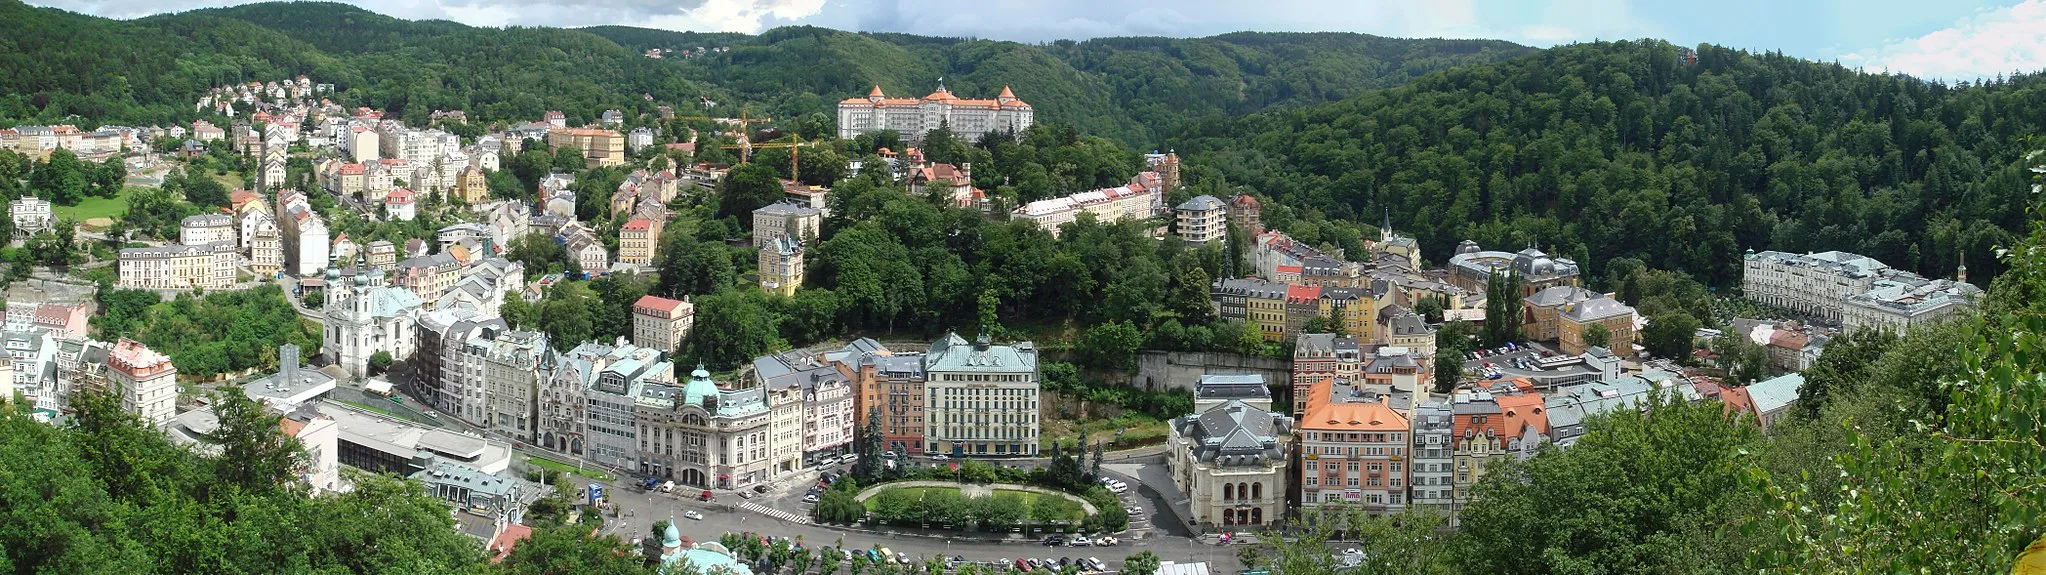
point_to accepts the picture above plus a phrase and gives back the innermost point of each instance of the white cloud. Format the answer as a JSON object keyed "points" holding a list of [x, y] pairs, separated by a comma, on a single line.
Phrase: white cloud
{"points": [[1992, 42]]}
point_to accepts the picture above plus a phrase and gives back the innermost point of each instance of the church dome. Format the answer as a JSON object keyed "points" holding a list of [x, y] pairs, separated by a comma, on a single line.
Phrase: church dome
{"points": [[672, 537], [1542, 266], [1467, 247]]}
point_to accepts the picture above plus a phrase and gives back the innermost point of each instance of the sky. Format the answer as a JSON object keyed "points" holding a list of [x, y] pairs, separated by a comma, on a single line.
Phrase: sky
{"points": [[1940, 39]]}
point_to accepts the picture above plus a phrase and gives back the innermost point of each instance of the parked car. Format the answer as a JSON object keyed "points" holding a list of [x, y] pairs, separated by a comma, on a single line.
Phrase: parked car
{"points": [[811, 498], [746, 495], [1098, 565], [849, 458], [692, 515], [1080, 541], [1034, 563], [1054, 541], [1118, 487], [1134, 511], [761, 488], [1105, 541], [1023, 565], [1064, 561]]}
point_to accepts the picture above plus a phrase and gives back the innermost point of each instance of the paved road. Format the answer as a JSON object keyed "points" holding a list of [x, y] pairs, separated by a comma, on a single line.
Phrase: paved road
{"points": [[781, 513]]}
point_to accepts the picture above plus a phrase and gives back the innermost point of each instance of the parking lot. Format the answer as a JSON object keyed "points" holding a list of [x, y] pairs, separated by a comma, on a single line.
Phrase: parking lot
{"points": [[1520, 356]]}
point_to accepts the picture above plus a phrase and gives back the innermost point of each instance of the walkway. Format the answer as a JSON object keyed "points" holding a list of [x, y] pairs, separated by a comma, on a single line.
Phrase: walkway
{"points": [[975, 489], [775, 513]]}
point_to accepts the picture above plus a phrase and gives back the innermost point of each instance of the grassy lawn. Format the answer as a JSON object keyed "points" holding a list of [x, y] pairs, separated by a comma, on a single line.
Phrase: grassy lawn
{"points": [[1137, 428], [567, 469], [97, 207]]}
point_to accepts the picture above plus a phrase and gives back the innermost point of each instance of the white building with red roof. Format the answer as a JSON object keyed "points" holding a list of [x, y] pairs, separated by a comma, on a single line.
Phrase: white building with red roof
{"points": [[401, 204], [911, 117], [661, 323], [145, 380], [1143, 197]]}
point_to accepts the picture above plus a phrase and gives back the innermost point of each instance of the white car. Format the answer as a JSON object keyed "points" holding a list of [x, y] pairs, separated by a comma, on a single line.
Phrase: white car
{"points": [[692, 515], [1098, 565], [1119, 487]]}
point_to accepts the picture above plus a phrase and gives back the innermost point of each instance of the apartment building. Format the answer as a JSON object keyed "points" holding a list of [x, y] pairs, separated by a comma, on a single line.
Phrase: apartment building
{"points": [[145, 380], [785, 219], [980, 399], [1202, 219], [1429, 477], [637, 240], [661, 323], [891, 397], [178, 267], [1320, 356], [781, 265], [1353, 451]]}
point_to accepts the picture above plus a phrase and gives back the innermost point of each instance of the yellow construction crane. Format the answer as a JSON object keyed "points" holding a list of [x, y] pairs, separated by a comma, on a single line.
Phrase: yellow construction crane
{"points": [[746, 150]]}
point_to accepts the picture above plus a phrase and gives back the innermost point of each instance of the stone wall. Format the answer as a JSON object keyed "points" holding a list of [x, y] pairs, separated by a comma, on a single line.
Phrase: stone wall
{"points": [[1161, 370]]}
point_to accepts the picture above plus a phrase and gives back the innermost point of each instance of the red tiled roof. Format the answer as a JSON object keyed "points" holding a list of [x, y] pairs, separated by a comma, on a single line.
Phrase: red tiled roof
{"points": [[501, 546], [657, 303], [638, 225]]}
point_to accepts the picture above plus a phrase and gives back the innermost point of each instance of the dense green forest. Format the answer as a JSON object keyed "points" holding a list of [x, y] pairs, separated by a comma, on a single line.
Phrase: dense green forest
{"points": [[1132, 89], [1626, 149]]}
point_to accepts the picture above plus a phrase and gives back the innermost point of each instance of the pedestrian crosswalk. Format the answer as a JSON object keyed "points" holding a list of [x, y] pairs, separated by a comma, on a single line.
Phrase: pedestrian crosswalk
{"points": [[775, 513]]}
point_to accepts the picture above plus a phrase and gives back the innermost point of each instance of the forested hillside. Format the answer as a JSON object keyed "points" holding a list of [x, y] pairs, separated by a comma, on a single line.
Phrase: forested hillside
{"points": [[1631, 149], [1132, 89]]}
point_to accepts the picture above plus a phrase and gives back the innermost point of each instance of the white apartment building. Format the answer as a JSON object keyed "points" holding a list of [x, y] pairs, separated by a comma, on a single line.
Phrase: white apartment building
{"points": [[970, 120], [785, 218], [1143, 197], [206, 229], [980, 399], [178, 267], [145, 380], [813, 403]]}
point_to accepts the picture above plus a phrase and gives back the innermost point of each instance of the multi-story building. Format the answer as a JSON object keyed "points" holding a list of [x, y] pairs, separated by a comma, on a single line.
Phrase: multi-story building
{"points": [[265, 244], [1202, 219], [1279, 257], [1428, 471], [637, 239], [362, 144], [980, 399], [1319, 356], [1230, 462], [781, 265], [1485, 426], [1767, 401], [179, 267], [1576, 318], [1246, 213], [562, 412], [32, 215], [145, 380], [509, 364], [33, 363], [785, 219], [600, 147], [891, 399], [1143, 197], [1353, 451], [1472, 267], [1259, 302], [1398, 327], [620, 378], [661, 323], [702, 435], [1903, 301], [367, 317], [812, 394], [471, 187], [304, 233], [381, 255], [970, 120], [443, 361], [1817, 285]]}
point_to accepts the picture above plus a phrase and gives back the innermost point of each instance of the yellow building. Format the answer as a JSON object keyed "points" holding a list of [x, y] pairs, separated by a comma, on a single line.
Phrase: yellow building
{"points": [[471, 187], [1616, 316], [600, 147], [781, 266], [636, 241]]}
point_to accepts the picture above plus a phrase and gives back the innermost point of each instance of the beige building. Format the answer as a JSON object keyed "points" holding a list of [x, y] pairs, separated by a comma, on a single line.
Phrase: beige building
{"points": [[600, 147], [661, 323], [178, 267], [1142, 198], [145, 380], [205, 229], [912, 117], [1229, 463], [266, 251], [637, 240], [1902, 302], [1575, 318], [1353, 451], [781, 266], [1817, 284], [785, 218], [980, 399], [1202, 220], [471, 187], [509, 362]]}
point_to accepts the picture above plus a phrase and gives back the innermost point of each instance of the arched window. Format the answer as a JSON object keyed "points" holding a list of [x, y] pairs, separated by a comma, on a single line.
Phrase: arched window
{"points": [[1257, 490], [1243, 491], [1257, 516], [1228, 491], [1228, 517]]}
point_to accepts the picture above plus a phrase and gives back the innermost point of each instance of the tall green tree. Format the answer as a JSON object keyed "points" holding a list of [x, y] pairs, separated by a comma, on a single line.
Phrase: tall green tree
{"points": [[1503, 303], [747, 187]]}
